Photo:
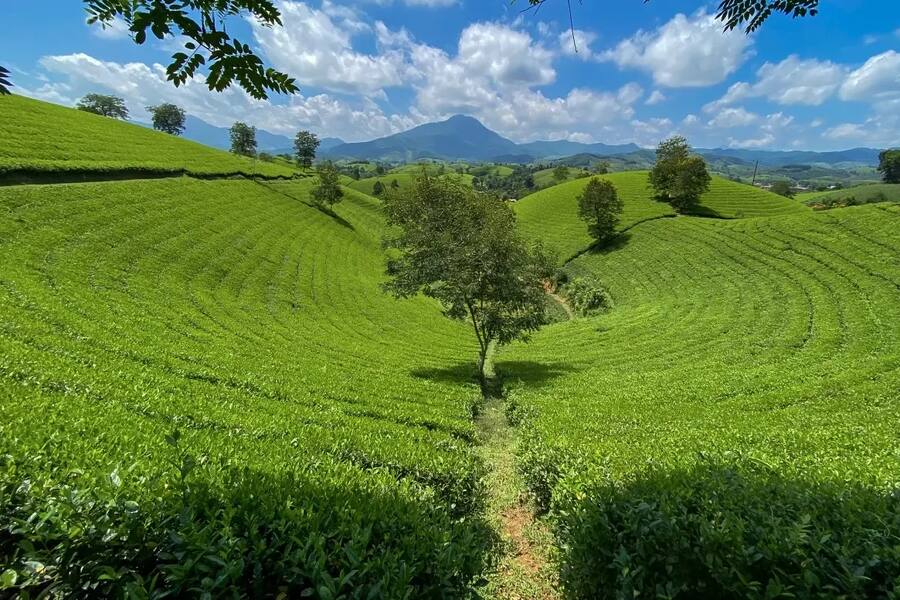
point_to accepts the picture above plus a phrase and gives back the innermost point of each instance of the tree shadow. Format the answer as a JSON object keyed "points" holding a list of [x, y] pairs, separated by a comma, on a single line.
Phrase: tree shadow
{"points": [[728, 527], [531, 373], [705, 212], [461, 373], [613, 243], [327, 211]]}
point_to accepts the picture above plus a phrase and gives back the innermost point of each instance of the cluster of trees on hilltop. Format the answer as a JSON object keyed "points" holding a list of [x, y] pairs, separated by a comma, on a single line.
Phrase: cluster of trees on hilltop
{"points": [[513, 186]]}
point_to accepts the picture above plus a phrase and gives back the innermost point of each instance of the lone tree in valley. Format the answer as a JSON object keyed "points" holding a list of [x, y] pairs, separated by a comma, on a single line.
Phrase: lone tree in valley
{"points": [[599, 206], [305, 146], [168, 118], [328, 192], [679, 177], [889, 165], [561, 173], [243, 139], [783, 188], [105, 106], [378, 188], [462, 248]]}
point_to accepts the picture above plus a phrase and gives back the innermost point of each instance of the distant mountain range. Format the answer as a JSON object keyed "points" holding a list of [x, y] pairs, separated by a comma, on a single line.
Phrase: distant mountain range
{"points": [[466, 138]]}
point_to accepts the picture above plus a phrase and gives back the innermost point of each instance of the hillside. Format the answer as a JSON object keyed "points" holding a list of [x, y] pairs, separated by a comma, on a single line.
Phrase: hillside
{"points": [[745, 382], [552, 214], [39, 137], [251, 323], [862, 194], [205, 392]]}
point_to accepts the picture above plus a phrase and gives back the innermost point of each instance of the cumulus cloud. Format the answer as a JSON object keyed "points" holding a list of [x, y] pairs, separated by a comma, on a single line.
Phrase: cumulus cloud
{"points": [[733, 117], [655, 98], [117, 29], [791, 81], [878, 80], [685, 52], [315, 50], [577, 43], [143, 85]]}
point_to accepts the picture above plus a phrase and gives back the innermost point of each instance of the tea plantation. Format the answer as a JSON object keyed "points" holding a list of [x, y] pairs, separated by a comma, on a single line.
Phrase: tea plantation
{"points": [[204, 391], [729, 429], [42, 138]]}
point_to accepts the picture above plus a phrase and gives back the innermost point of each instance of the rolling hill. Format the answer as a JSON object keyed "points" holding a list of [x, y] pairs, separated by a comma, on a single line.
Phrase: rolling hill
{"points": [[204, 391], [42, 138]]}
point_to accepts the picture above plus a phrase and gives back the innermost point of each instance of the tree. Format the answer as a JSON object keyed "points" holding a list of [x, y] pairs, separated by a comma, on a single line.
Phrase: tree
{"points": [[602, 167], [679, 177], [379, 169], [561, 173], [328, 192], [463, 248], [4, 82], [889, 165], [305, 145], [599, 206], [734, 13], [378, 188], [202, 26], [395, 185], [243, 139], [783, 188], [106, 106], [168, 118]]}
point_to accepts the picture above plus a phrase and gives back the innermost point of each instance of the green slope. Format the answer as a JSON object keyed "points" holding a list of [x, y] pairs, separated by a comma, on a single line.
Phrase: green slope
{"points": [[404, 180], [552, 214], [253, 324], [861, 194], [749, 367], [40, 137]]}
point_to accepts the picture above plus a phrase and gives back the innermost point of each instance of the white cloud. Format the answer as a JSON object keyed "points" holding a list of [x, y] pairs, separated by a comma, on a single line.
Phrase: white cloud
{"points": [[142, 85], [655, 98], [685, 52], [877, 80], [791, 81], [765, 141], [580, 47], [316, 51], [733, 117]]}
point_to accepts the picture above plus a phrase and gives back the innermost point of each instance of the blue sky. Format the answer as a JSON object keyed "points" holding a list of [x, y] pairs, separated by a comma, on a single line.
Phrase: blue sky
{"points": [[642, 71]]}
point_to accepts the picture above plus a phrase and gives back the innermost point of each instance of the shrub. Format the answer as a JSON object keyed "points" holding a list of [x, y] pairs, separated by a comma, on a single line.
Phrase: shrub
{"points": [[587, 296], [726, 530]]}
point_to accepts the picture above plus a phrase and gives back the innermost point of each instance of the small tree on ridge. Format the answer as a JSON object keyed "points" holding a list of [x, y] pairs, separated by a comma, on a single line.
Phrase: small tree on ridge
{"points": [[243, 139], [305, 146], [889, 165], [328, 192], [105, 106], [168, 118], [599, 206], [679, 177]]}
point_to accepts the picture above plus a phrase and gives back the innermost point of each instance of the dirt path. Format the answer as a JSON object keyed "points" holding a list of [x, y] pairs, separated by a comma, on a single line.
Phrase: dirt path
{"points": [[524, 571], [565, 305]]}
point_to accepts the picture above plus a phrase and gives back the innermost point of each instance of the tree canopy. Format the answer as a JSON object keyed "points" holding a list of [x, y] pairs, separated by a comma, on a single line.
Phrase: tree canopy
{"points": [[599, 206], [679, 177], [462, 247], [783, 188], [889, 165], [168, 118], [105, 106], [243, 139], [305, 146], [328, 192], [202, 26]]}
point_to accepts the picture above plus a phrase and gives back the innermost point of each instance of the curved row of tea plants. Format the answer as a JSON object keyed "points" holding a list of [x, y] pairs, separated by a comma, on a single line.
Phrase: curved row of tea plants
{"points": [[43, 138], [730, 428], [319, 449], [552, 214]]}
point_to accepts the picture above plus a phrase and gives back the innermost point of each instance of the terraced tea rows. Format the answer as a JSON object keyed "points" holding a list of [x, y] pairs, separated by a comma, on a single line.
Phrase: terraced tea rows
{"points": [[44, 138], [552, 214], [748, 376], [253, 324]]}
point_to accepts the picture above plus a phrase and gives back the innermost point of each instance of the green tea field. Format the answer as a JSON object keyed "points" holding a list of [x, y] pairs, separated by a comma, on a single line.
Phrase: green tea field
{"points": [[206, 392]]}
